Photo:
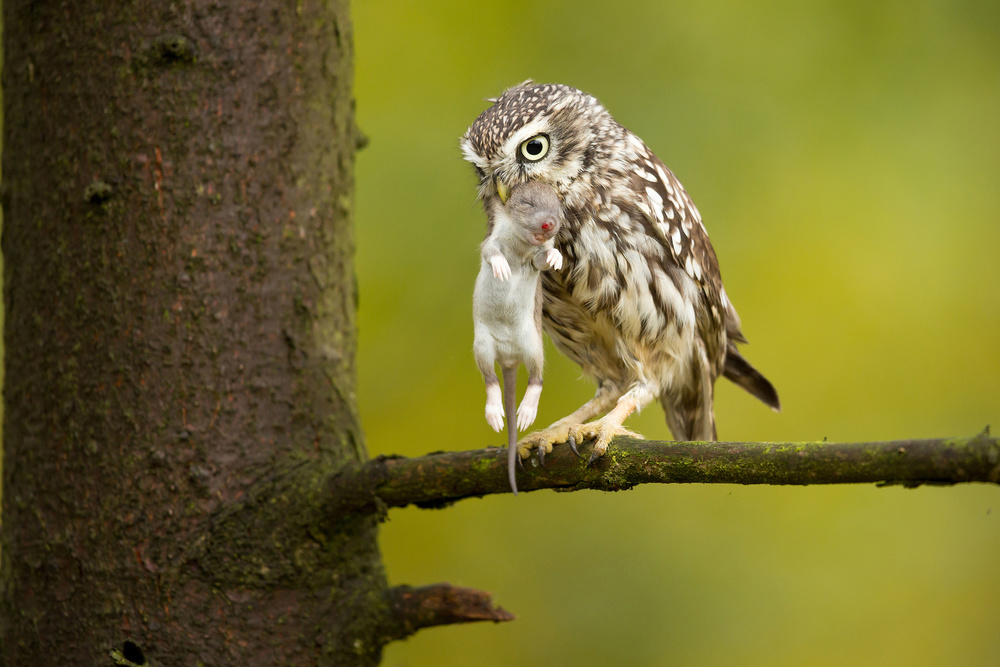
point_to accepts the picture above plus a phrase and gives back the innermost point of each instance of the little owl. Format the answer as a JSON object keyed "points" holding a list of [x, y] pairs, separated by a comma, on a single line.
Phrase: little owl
{"points": [[639, 303]]}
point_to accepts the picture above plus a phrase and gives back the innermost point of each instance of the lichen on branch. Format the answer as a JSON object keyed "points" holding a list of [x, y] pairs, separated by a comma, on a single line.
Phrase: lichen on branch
{"points": [[441, 478]]}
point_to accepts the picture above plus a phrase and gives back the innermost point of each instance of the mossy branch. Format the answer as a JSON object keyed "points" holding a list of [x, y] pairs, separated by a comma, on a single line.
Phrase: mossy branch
{"points": [[441, 478]]}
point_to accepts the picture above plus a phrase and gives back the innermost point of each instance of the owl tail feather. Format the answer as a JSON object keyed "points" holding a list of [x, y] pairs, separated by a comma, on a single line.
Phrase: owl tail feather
{"points": [[739, 370]]}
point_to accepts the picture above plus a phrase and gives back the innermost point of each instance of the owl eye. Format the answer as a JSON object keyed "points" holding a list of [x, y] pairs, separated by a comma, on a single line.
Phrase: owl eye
{"points": [[535, 148]]}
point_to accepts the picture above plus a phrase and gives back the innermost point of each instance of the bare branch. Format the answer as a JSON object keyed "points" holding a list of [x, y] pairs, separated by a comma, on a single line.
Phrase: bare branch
{"points": [[441, 478], [411, 609]]}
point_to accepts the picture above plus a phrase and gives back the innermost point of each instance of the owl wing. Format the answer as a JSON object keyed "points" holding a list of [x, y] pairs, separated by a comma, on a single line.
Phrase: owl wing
{"points": [[674, 221]]}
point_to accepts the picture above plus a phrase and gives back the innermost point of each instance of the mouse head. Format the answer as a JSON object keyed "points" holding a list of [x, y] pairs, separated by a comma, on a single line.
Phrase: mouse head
{"points": [[536, 210]]}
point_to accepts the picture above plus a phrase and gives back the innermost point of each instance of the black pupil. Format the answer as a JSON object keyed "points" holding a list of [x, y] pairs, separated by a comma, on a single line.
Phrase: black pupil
{"points": [[534, 147]]}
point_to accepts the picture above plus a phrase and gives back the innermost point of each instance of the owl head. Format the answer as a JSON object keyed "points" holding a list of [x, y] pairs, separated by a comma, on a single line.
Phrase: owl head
{"points": [[533, 132]]}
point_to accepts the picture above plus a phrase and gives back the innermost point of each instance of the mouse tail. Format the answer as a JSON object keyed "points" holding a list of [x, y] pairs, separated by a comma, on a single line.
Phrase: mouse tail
{"points": [[509, 402]]}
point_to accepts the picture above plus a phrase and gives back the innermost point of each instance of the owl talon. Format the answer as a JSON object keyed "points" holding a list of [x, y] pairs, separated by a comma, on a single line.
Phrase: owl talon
{"points": [[542, 441], [594, 455], [601, 432], [572, 446]]}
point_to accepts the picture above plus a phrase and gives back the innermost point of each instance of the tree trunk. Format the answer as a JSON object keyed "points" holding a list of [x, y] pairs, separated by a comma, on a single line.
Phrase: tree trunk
{"points": [[180, 337]]}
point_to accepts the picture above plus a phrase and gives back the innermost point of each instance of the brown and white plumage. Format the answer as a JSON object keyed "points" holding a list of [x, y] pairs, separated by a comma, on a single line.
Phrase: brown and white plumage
{"points": [[639, 304]]}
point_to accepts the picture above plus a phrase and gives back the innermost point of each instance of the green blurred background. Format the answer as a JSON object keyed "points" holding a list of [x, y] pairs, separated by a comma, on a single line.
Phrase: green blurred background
{"points": [[846, 159]]}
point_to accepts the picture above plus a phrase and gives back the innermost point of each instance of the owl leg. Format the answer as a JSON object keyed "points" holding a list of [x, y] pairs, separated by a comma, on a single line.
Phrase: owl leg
{"points": [[559, 432], [610, 425]]}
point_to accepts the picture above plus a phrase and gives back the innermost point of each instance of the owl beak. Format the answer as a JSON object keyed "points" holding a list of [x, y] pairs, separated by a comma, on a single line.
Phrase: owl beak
{"points": [[503, 191]]}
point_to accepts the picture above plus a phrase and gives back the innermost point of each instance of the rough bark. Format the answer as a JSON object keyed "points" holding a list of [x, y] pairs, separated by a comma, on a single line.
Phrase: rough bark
{"points": [[442, 478], [180, 337]]}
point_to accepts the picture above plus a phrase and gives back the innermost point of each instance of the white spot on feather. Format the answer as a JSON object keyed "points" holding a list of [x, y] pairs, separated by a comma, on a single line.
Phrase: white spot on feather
{"points": [[665, 179], [675, 239], [656, 201]]}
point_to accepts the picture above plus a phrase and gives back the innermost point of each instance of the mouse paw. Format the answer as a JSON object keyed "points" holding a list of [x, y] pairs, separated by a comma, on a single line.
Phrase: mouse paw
{"points": [[494, 415], [554, 258], [501, 269]]}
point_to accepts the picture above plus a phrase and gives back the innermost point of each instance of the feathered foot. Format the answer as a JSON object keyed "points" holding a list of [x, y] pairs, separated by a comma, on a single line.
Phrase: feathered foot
{"points": [[601, 432], [607, 427], [575, 428], [543, 440]]}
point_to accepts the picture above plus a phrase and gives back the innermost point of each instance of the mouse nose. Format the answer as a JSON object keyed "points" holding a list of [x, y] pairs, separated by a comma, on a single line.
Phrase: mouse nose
{"points": [[547, 225]]}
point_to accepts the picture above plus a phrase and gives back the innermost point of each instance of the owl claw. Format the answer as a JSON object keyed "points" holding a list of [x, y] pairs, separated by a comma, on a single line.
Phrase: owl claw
{"points": [[601, 432], [571, 441], [594, 455], [542, 441]]}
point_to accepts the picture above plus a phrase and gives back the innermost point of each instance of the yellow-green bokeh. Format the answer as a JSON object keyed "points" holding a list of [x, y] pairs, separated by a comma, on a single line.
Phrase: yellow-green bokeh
{"points": [[846, 159]]}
